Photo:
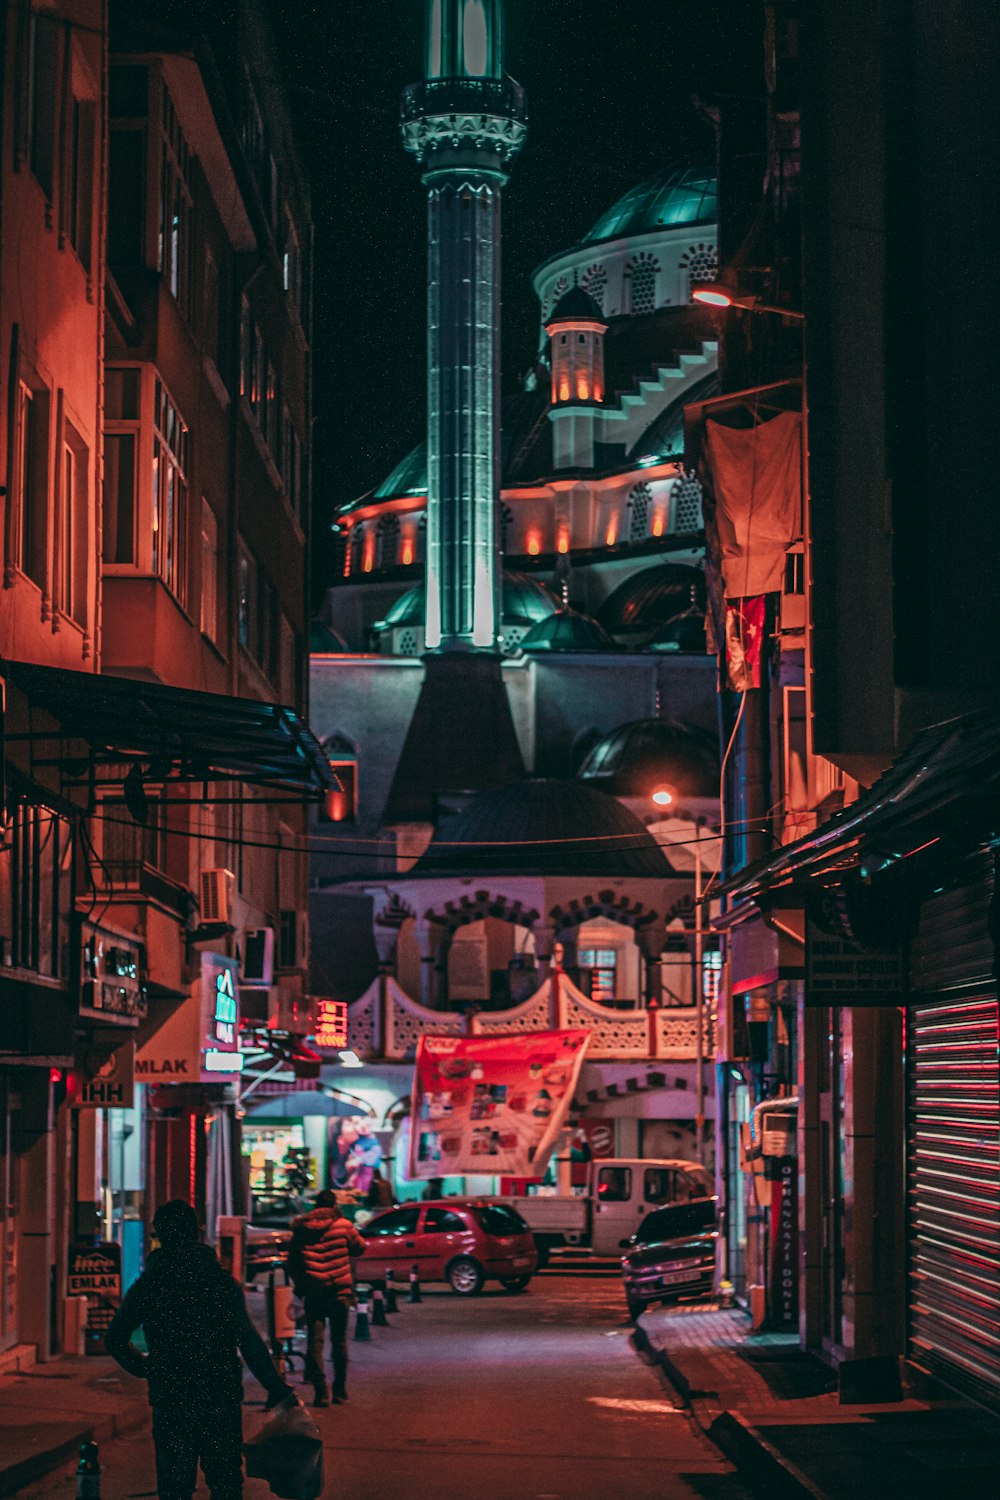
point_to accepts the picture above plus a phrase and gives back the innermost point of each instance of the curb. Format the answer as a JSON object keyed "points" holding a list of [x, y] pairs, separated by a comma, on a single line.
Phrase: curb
{"points": [[741, 1442], [39, 1465]]}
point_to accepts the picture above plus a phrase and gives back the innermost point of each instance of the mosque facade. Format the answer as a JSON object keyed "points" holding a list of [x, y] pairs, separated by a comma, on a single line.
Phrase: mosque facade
{"points": [[509, 670]]}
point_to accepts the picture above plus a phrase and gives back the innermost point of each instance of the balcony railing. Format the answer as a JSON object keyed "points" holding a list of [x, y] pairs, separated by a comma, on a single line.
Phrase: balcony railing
{"points": [[483, 96], [386, 1023]]}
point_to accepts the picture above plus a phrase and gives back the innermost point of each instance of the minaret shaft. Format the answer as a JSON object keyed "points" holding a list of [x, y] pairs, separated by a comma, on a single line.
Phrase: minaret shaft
{"points": [[463, 362], [464, 124]]}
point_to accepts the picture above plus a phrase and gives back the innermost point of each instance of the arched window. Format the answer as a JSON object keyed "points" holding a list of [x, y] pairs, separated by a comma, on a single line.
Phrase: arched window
{"points": [[341, 804], [701, 262], [387, 542], [639, 501], [561, 285], [687, 504], [595, 283], [640, 275]]}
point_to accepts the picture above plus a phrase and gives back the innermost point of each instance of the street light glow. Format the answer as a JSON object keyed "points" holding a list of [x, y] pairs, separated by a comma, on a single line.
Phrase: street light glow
{"points": [[662, 797], [713, 294]]}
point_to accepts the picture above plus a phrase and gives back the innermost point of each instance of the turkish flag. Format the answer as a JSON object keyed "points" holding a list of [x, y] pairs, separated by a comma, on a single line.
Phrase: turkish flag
{"points": [[746, 621]]}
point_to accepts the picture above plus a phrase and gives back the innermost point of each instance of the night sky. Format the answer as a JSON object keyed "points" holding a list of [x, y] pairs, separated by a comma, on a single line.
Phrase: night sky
{"points": [[610, 88]]}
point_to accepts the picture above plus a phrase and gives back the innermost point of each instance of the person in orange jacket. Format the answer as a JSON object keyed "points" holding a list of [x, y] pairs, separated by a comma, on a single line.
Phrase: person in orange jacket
{"points": [[320, 1264]]}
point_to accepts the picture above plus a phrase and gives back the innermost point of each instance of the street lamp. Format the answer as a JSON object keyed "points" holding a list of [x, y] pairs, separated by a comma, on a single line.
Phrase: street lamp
{"points": [[662, 796], [714, 294]]}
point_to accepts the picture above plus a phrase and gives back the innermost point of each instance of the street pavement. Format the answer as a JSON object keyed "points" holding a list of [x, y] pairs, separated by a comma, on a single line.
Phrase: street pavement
{"points": [[532, 1396]]}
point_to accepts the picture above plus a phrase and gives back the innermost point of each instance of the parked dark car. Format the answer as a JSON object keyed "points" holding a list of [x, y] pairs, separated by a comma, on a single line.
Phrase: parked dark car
{"points": [[269, 1232], [672, 1255], [458, 1240]]}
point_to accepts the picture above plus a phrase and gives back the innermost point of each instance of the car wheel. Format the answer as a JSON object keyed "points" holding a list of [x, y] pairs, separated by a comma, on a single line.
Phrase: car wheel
{"points": [[465, 1276], [514, 1283]]}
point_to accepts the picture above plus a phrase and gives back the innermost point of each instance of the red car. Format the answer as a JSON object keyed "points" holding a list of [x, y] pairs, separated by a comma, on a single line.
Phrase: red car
{"points": [[458, 1240]]}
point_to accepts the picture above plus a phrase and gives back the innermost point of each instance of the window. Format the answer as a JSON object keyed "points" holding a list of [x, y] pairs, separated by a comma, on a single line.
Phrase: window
{"points": [[121, 442], [442, 1221], [175, 241], [658, 1185], [169, 507], [595, 283], [208, 605], [43, 71], [291, 262], [399, 1222], [126, 197], [614, 1184], [639, 503], [127, 846], [71, 538], [79, 209], [499, 1220], [28, 517], [598, 971], [291, 464], [246, 598], [210, 307], [35, 867], [640, 276], [387, 542], [288, 939]]}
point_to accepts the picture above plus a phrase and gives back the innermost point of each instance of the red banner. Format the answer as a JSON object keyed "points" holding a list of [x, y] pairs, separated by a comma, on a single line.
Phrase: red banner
{"points": [[492, 1105]]}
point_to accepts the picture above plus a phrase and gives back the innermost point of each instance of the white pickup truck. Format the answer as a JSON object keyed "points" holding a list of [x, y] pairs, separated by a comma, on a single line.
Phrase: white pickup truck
{"points": [[603, 1217]]}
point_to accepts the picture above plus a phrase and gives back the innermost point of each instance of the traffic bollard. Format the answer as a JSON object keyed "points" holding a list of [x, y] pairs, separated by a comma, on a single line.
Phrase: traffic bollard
{"points": [[379, 1319], [88, 1473], [362, 1328], [391, 1305], [414, 1292]]}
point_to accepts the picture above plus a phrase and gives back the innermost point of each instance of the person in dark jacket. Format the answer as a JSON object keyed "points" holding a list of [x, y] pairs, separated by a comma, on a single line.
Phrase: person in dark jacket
{"points": [[196, 1325], [323, 1247]]}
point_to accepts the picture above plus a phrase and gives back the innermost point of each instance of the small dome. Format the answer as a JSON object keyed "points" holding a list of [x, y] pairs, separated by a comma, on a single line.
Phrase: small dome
{"points": [[525, 601], [567, 630], [635, 758], [680, 196], [651, 598], [685, 634], [574, 306], [544, 827]]}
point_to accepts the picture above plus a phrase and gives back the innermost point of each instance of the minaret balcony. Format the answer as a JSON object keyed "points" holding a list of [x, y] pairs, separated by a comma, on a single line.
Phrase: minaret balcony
{"points": [[487, 96], [482, 116]]}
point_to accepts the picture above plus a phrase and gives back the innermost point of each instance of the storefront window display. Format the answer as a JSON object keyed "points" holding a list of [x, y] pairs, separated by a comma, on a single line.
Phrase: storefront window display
{"points": [[276, 1154]]}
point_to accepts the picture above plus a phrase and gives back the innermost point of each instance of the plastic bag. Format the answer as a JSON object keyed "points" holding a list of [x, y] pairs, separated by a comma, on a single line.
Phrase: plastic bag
{"points": [[288, 1453]]}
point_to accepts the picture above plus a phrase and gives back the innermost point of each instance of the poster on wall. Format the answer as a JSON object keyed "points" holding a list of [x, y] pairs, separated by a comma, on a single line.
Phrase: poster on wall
{"points": [[95, 1272], [491, 1105], [355, 1152]]}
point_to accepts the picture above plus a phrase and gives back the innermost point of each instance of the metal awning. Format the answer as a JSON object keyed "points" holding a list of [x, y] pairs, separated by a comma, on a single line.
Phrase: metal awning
{"points": [[80, 723], [939, 798]]}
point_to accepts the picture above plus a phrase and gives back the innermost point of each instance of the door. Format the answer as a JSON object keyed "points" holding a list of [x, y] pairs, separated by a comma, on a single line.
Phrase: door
{"points": [[443, 1235], [391, 1244], [615, 1208]]}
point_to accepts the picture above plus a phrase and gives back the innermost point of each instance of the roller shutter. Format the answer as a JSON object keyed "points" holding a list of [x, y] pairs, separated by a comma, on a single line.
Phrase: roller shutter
{"points": [[953, 1148]]}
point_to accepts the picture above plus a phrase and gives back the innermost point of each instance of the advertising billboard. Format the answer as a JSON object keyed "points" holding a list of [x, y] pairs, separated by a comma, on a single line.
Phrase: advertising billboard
{"points": [[491, 1105]]}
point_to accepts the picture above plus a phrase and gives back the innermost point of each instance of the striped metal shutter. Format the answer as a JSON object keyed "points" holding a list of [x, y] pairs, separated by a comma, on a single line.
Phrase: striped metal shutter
{"points": [[953, 1148]]}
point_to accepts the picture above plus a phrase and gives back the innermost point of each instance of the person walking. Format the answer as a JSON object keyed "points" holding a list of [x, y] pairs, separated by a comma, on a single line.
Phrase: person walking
{"points": [[196, 1325], [324, 1243]]}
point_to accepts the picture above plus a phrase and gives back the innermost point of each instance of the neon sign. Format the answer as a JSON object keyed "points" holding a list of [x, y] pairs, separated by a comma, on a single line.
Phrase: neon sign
{"points": [[331, 1023], [225, 1017]]}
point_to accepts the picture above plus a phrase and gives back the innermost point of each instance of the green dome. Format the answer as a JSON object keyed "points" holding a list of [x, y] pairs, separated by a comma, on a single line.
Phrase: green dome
{"points": [[567, 630], [409, 477], [684, 195], [525, 601]]}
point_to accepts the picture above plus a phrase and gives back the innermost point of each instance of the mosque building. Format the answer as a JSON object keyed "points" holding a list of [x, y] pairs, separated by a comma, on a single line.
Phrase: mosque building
{"points": [[509, 671]]}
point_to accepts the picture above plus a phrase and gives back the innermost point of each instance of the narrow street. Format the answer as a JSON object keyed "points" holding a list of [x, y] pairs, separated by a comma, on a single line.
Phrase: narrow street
{"points": [[538, 1396]]}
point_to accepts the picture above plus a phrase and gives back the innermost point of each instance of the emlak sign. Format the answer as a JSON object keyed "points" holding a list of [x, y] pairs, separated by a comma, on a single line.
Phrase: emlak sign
{"points": [[199, 1042]]}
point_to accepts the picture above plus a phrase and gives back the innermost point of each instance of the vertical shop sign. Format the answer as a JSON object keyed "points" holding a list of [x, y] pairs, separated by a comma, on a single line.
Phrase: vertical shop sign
{"points": [[95, 1272], [784, 1244]]}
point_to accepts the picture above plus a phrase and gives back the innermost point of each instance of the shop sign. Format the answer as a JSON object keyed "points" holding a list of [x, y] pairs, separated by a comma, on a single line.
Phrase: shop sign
{"points": [[784, 1246], [331, 1023], [173, 1053], [95, 1272], [219, 977], [112, 1084], [841, 972]]}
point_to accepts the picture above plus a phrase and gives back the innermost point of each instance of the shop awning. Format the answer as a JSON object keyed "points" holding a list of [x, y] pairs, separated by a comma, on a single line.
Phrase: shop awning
{"points": [[98, 730], [940, 798]]}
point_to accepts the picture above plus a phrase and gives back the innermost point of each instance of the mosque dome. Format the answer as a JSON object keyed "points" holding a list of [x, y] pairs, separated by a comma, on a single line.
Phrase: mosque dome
{"points": [[544, 827], [324, 640], [574, 305], [526, 600], [680, 196], [652, 598], [567, 630], [636, 757], [684, 634]]}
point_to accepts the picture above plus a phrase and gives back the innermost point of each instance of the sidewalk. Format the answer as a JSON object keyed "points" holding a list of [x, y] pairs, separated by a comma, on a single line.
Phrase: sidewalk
{"points": [[774, 1412], [47, 1411]]}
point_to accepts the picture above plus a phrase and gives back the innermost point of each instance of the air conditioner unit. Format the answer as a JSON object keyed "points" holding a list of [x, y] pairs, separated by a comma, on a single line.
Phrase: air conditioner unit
{"points": [[217, 895], [258, 957]]}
